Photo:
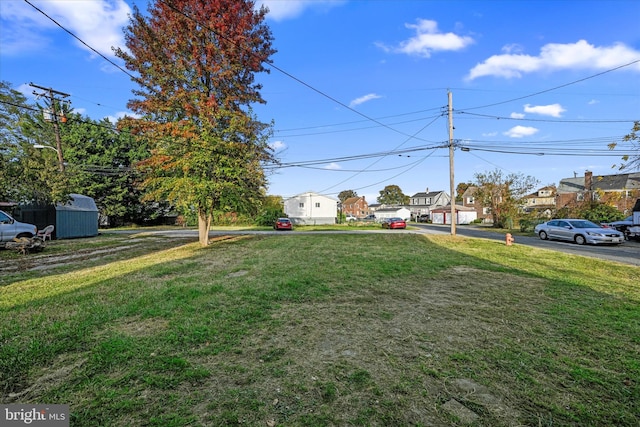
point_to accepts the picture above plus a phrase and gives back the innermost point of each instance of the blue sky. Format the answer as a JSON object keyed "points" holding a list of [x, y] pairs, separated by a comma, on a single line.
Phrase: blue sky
{"points": [[359, 89]]}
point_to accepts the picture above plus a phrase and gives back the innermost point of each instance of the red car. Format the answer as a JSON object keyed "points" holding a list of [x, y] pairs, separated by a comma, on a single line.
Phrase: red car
{"points": [[283, 224], [392, 223]]}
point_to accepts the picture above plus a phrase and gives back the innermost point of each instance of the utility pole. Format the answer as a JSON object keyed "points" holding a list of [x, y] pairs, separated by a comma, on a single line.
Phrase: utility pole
{"points": [[51, 94], [452, 184]]}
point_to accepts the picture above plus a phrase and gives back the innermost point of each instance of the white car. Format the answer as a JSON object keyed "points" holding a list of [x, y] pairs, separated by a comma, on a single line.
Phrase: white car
{"points": [[10, 228], [580, 231], [350, 218]]}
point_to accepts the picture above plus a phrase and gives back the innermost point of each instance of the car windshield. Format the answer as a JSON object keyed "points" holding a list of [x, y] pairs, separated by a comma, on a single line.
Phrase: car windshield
{"points": [[584, 224]]}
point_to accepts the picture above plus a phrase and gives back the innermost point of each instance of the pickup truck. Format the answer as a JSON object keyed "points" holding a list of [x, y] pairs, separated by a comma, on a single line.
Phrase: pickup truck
{"points": [[629, 226], [10, 229]]}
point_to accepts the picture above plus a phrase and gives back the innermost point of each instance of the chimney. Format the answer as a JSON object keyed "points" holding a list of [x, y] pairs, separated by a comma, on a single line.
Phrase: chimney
{"points": [[427, 190], [588, 182]]}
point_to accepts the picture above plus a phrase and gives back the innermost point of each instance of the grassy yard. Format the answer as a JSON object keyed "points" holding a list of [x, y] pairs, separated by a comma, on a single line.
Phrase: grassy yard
{"points": [[320, 330]]}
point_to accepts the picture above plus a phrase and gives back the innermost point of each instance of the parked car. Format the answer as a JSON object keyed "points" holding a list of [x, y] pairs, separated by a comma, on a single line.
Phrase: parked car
{"points": [[10, 228], [621, 225], [371, 217], [580, 231], [422, 218], [392, 223], [283, 224], [350, 217]]}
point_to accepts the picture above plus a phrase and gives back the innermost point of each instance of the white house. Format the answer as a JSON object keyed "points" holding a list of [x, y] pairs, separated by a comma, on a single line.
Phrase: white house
{"points": [[311, 209], [397, 212]]}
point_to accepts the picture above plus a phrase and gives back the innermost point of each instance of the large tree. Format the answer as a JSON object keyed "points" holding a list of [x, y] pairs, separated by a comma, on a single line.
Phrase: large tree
{"points": [[633, 138], [503, 194], [345, 194], [196, 62], [393, 195], [13, 105]]}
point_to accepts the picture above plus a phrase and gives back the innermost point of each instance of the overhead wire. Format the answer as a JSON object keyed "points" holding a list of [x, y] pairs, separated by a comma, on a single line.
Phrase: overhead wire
{"points": [[366, 117]]}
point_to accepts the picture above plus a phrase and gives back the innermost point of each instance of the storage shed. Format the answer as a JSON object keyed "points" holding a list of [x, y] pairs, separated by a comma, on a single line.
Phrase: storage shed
{"points": [[76, 218]]}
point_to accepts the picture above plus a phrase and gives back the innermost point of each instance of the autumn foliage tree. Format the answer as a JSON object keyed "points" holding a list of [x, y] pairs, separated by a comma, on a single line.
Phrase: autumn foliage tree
{"points": [[196, 62], [503, 194]]}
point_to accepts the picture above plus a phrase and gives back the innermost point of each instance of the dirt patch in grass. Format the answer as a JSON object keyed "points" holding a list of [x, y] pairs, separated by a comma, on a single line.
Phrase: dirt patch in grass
{"points": [[136, 327], [60, 371], [361, 349]]}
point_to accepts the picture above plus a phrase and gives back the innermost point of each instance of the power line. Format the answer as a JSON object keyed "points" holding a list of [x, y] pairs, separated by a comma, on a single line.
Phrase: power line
{"points": [[80, 40], [555, 87], [545, 120]]}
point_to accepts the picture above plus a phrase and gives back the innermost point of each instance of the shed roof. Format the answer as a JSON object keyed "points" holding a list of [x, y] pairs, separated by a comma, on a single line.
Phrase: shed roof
{"points": [[78, 203]]}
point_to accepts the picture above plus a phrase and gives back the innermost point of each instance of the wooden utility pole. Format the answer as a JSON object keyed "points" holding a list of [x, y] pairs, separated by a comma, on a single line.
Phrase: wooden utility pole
{"points": [[452, 183], [51, 94]]}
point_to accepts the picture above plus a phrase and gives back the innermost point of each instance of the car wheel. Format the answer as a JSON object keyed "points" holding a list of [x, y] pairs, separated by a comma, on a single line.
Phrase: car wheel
{"points": [[580, 239], [543, 235]]}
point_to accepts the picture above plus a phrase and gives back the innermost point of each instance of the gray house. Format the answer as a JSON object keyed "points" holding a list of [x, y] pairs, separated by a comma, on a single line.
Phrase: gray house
{"points": [[425, 202]]}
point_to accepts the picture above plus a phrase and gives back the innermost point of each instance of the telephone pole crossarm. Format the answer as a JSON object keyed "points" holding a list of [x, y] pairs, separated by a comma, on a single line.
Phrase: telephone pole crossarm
{"points": [[51, 94]]}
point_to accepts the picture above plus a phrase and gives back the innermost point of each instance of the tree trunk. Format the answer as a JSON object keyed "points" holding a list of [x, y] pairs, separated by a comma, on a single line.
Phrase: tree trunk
{"points": [[204, 224]]}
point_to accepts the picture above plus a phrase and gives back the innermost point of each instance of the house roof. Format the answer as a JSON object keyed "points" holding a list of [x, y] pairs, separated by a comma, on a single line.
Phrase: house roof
{"points": [[469, 191], [458, 208], [618, 182], [536, 193], [311, 194], [391, 209], [429, 194], [352, 200]]}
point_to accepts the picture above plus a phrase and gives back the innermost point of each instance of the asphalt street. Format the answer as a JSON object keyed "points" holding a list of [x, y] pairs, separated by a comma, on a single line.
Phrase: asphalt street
{"points": [[626, 253]]}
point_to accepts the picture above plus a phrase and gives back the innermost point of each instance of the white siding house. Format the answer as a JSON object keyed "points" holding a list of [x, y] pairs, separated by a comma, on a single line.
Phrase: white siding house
{"points": [[311, 209], [397, 212]]}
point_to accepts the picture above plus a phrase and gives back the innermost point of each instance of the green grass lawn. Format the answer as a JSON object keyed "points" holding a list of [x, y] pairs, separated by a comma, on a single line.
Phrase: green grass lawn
{"points": [[320, 330]]}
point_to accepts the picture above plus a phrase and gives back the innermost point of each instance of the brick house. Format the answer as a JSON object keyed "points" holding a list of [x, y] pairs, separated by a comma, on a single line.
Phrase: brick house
{"points": [[356, 206], [619, 190]]}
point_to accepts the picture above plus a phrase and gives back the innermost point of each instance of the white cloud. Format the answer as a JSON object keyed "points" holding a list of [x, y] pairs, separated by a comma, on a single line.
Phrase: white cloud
{"points": [[553, 110], [520, 131], [277, 145], [555, 56], [517, 116], [428, 40], [98, 23], [490, 134], [363, 99], [593, 102], [333, 166], [280, 10]]}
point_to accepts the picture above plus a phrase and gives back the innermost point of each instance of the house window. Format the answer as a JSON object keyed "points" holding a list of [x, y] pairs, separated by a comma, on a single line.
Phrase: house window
{"points": [[470, 200], [317, 204], [428, 201], [301, 205]]}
